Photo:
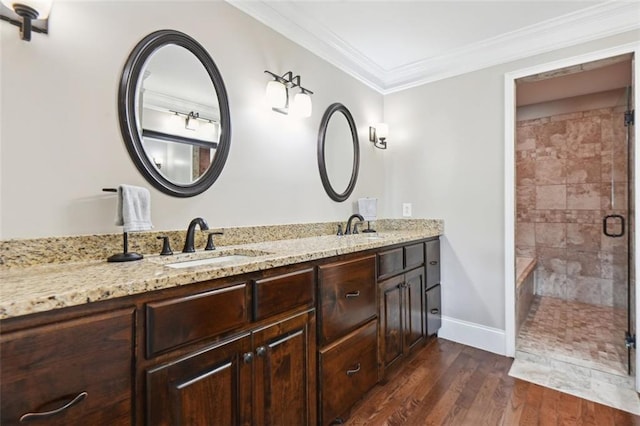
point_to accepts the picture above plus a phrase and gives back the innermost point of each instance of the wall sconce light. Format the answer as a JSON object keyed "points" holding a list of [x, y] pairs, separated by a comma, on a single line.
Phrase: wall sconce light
{"points": [[23, 12], [378, 135], [191, 122], [278, 95]]}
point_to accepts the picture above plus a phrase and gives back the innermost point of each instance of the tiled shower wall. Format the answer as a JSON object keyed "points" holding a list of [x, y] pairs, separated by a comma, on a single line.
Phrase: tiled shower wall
{"points": [[571, 171]]}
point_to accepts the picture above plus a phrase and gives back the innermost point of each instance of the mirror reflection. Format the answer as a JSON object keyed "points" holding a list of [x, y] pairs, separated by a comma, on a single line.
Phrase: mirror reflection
{"points": [[177, 114]]}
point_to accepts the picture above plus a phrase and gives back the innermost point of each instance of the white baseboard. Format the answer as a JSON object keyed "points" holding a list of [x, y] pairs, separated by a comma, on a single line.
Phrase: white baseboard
{"points": [[471, 334]]}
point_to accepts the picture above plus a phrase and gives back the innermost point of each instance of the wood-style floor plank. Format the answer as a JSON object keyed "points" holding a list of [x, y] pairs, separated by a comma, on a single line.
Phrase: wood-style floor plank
{"points": [[446, 383]]}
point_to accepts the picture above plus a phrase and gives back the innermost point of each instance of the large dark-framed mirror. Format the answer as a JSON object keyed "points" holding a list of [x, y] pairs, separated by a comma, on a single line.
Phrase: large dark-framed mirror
{"points": [[174, 113], [338, 152]]}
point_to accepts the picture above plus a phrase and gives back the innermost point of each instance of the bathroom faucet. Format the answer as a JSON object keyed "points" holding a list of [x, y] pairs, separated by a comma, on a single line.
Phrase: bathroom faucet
{"points": [[191, 231], [353, 216]]}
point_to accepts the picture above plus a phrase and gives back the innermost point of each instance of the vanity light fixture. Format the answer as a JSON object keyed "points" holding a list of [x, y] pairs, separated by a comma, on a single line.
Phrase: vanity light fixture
{"points": [[278, 95], [23, 12], [378, 135]]}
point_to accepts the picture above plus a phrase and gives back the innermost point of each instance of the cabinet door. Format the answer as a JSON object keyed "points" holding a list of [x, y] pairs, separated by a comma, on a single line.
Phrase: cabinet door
{"points": [[391, 318], [284, 373], [434, 314], [75, 372], [413, 308], [209, 387], [433, 263]]}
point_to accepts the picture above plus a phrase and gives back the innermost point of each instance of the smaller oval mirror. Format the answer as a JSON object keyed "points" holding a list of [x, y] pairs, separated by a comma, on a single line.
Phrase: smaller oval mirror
{"points": [[174, 113], [338, 152]]}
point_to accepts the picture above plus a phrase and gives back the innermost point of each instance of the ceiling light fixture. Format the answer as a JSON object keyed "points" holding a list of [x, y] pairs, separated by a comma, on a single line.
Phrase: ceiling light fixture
{"points": [[27, 11], [278, 95], [378, 135]]}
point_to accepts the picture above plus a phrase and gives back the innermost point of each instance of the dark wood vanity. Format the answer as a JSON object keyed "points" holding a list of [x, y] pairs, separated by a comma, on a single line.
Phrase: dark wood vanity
{"points": [[298, 344]]}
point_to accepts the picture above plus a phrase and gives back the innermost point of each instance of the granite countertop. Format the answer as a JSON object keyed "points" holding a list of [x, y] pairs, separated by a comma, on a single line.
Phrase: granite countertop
{"points": [[47, 287]]}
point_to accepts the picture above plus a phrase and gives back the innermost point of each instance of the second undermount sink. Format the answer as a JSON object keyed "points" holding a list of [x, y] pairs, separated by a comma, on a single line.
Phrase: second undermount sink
{"points": [[215, 258]]}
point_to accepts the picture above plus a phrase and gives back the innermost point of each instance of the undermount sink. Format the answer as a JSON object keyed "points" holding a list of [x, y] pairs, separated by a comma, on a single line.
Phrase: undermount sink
{"points": [[211, 258]]}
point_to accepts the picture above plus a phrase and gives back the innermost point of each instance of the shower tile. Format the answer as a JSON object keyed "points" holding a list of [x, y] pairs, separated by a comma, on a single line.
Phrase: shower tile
{"points": [[551, 142], [614, 166], [583, 216], [588, 290], [550, 171], [525, 251], [583, 170], [568, 116], [525, 172], [550, 283], [525, 234], [551, 197], [525, 197], [583, 237], [583, 263], [525, 137], [552, 259], [584, 196], [551, 235], [584, 137]]}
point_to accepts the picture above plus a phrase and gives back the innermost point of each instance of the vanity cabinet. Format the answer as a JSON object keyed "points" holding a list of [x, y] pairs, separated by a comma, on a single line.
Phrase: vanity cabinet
{"points": [[347, 334], [264, 374], [402, 302], [73, 372]]}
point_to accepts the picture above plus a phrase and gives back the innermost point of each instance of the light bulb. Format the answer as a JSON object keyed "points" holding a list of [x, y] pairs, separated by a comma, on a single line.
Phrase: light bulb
{"points": [[382, 130]]}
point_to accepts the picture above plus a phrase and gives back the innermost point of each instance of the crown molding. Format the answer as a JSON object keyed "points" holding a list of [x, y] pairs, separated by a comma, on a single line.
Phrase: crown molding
{"points": [[591, 23]]}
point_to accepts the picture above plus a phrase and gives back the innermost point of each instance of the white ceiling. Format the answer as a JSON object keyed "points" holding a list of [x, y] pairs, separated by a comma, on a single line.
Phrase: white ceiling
{"points": [[392, 45]]}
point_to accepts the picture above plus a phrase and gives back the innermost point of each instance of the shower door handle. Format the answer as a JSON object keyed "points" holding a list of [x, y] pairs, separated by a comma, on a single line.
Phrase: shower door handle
{"points": [[605, 225]]}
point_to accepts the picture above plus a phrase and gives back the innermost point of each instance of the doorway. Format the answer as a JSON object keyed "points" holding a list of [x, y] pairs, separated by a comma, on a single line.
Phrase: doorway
{"points": [[573, 220]]}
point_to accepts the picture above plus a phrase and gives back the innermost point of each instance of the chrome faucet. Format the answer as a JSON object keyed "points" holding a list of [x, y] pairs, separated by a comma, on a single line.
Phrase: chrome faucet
{"points": [[191, 231], [353, 216]]}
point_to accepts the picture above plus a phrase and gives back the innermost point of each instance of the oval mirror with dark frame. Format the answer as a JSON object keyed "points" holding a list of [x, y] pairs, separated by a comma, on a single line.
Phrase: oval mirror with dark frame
{"points": [[338, 152], [174, 113]]}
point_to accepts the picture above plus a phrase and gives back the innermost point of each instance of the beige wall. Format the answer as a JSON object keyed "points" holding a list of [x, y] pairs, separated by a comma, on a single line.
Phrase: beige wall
{"points": [[61, 142], [446, 156]]}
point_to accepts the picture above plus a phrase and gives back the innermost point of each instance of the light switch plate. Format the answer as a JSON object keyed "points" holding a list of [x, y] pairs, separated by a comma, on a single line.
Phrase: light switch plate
{"points": [[406, 209]]}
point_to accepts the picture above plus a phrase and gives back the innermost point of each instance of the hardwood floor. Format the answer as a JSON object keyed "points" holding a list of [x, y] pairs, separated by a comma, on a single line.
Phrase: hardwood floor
{"points": [[446, 383]]}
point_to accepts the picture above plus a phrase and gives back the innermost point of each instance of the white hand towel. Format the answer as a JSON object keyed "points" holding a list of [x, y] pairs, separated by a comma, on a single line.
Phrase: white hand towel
{"points": [[368, 208], [134, 208]]}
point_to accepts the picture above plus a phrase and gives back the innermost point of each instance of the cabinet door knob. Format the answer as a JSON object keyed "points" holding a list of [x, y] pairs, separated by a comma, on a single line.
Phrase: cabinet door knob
{"points": [[353, 371], [433, 262], [247, 357], [261, 351], [34, 416], [435, 311], [352, 294]]}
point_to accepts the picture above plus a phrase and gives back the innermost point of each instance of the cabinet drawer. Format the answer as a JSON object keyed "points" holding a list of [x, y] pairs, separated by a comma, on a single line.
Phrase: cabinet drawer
{"points": [[433, 263], [434, 313], [348, 295], [175, 322], [282, 293], [348, 369], [390, 262], [413, 256], [88, 360]]}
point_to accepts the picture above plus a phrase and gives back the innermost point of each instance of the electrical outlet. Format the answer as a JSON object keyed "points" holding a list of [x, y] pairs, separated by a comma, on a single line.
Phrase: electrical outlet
{"points": [[406, 209]]}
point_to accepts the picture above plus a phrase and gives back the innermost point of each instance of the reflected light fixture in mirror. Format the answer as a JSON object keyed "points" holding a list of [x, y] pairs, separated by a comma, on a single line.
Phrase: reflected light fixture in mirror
{"points": [[278, 95], [23, 12], [378, 135]]}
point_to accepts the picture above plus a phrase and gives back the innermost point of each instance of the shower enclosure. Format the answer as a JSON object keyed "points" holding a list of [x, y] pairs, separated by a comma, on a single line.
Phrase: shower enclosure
{"points": [[574, 168]]}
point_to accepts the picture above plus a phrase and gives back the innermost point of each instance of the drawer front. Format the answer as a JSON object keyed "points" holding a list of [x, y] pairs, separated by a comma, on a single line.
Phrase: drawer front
{"points": [[348, 295], [434, 312], [390, 262], [87, 360], [413, 256], [175, 322], [282, 293], [348, 369], [433, 263]]}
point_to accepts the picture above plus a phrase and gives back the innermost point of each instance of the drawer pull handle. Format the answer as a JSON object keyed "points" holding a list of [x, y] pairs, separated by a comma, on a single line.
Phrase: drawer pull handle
{"points": [[352, 294], [435, 311], [34, 416], [433, 262], [353, 371]]}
